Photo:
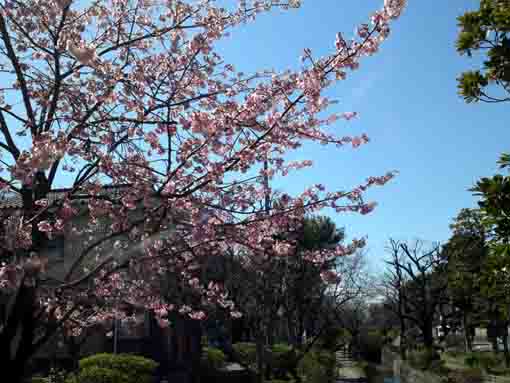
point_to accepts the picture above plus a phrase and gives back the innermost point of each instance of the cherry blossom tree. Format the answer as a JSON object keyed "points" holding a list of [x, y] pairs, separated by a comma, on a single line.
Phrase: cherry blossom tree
{"points": [[127, 108], [281, 297]]}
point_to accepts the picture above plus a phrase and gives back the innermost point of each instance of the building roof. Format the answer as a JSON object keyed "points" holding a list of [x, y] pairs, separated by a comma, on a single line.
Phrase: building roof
{"points": [[12, 200]]}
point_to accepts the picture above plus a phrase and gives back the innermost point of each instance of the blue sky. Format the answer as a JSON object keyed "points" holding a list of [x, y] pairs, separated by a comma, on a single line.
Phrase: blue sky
{"points": [[407, 99], [408, 105]]}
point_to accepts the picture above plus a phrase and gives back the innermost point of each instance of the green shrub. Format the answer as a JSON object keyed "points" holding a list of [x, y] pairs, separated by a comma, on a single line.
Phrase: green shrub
{"points": [[422, 359], [472, 361], [57, 375], [280, 349], [212, 358], [454, 353], [318, 366], [246, 353], [96, 374], [484, 361], [282, 361], [279, 353], [135, 369]]}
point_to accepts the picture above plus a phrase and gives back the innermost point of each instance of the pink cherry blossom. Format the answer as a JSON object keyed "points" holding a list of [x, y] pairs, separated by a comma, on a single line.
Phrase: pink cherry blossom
{"points": [[329, 276], [135, 139], [349, 115], [44, 226], [84, 54], [163, 323]]}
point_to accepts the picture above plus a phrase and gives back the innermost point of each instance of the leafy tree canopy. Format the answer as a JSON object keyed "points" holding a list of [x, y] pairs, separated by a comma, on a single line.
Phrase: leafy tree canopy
{"points": [[486, 30]]}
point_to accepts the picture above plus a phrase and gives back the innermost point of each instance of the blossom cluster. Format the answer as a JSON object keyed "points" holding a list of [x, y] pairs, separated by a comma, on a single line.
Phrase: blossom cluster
{"points": [[133, 98]]}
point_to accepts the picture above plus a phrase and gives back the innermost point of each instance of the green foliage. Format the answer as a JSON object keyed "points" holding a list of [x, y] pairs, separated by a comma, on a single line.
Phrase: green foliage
{"points": [[318, 366], [504, 161], [423, 359], [134, 369], [279, 355], [282, 360], [485, 361], [96, 374], [280, 349], [472, 361], [495, 203], [494, 194], [465, 252], [212, 358], [466, 256], [320, 232], [57, 376], [246, 353], [454, 353], [485, 30]]}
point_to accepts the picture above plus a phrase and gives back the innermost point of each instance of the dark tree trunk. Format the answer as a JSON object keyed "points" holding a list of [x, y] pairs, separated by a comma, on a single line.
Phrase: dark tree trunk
{"points": [[495, 347], [505, 346], [300, 331], [261, 353], [403, 329], [428, 334], [467, 335], [17, 337]]}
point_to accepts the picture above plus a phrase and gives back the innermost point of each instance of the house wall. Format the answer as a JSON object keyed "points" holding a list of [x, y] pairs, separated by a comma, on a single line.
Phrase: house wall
{"points": [[61, 258]]}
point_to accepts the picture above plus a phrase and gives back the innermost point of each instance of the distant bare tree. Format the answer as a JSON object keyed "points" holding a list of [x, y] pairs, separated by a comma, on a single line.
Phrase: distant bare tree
{"points": [[415, 286]]}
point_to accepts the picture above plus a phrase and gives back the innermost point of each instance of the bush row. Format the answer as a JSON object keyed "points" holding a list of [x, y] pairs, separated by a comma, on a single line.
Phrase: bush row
{"points": [[316, 366], [106, 368]]}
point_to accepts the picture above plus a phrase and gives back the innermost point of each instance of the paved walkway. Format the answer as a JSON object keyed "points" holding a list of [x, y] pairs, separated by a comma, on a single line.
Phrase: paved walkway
{"points": [[348, 370]]}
